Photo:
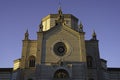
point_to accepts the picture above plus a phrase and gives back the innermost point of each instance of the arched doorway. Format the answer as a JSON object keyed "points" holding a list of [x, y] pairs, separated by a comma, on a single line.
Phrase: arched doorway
{"points": [[61, 74]]}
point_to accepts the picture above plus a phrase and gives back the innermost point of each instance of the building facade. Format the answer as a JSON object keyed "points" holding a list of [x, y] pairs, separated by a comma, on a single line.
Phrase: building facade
{"points": [[61, 52]]}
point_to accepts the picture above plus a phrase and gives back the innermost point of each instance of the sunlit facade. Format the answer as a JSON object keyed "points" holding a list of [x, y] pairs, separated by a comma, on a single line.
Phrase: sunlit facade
{"points": [[61, 52]]}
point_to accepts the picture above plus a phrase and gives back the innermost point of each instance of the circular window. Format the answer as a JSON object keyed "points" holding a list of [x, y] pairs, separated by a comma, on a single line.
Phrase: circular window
{"points": [[60, 49]]}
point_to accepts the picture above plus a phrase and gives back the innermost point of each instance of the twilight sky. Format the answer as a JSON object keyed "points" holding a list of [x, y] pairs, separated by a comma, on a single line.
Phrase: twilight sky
{"points": [[16, 16]]}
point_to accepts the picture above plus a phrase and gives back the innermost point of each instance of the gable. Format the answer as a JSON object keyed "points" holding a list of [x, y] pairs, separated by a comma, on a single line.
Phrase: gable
{"points": [[71, 38], [61, 30]]}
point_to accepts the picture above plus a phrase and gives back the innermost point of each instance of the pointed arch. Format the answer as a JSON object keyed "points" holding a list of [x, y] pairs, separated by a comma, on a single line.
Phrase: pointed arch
{"points": [[61, 74], [32, 61]]}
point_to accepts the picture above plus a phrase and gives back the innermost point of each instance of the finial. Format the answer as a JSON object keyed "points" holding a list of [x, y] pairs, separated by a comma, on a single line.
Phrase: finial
{"points": [[26, 35], [60, 18], [94, 36], [60, 11], [80, 27], [60, 15], [59, 8], [40, 27]]}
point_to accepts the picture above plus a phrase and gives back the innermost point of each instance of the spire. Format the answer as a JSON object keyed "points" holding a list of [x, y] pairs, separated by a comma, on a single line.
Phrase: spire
{"points": [[94, 36], [59, 8], [60, 18], [26, 35], [80, 27], [40, 27], [60, 14], [59, 11]]}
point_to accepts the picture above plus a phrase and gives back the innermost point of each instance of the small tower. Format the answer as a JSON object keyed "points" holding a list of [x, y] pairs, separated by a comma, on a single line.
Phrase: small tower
{"points": [[94, 36], [26, 35], [80, 27]]}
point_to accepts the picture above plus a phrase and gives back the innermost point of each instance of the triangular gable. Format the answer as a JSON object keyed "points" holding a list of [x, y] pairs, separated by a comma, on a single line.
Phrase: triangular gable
{"points": [[58, 28]]}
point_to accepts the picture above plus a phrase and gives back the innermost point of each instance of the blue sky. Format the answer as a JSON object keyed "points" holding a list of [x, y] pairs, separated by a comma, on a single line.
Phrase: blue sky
{"points": [[16, 16]]}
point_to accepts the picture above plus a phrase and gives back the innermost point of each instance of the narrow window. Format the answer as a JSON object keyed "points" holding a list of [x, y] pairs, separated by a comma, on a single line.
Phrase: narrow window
{"points": [[31, 61], [89, 61]]}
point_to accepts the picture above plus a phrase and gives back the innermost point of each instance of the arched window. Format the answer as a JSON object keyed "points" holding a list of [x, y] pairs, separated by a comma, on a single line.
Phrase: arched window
{"points": [[61, 74], [89, 61], [31, 61]]}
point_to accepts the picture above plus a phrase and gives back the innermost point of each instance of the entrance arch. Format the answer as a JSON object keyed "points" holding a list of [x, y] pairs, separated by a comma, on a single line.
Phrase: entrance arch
{"points": [[61, 74]]}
